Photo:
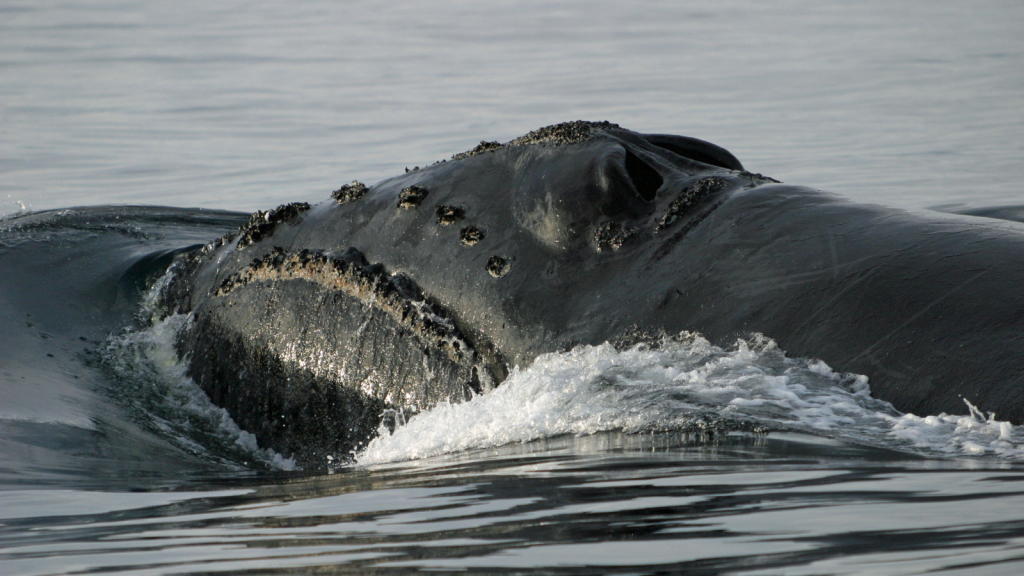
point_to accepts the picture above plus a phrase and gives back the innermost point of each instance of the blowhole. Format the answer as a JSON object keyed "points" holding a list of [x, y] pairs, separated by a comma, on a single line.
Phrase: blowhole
{"points": [[645, 179]]}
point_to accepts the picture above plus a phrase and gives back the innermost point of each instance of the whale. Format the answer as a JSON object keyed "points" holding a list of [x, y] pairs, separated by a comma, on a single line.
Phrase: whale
{"points": [[318, 327]]}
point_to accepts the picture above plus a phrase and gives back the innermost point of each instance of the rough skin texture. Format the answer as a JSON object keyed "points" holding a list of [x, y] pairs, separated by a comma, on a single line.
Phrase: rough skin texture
{"points": [[565, 133], [350, 192], [585, 233], [262, 224]]}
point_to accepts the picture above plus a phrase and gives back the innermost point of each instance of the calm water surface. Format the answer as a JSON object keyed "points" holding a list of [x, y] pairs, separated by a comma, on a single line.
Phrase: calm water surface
{"points": [[240, 105], [111, 461]]}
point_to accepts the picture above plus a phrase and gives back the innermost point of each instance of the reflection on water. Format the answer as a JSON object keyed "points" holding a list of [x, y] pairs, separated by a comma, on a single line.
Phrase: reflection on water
{"points": [[246, 105], [613, 502]]}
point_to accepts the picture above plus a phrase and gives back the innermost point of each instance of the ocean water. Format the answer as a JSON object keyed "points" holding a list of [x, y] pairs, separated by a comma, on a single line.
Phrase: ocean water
{"points": [[686, 457]]}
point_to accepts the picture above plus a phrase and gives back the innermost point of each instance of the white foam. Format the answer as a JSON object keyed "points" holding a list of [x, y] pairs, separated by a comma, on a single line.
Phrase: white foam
{"points": [[685, 383], [147, 361], [682, 384], [10, 207], [973, 434]]}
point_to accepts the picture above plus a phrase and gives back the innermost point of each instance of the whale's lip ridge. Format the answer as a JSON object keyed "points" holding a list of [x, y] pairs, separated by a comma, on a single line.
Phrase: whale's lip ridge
{"points": [[395, 293]]}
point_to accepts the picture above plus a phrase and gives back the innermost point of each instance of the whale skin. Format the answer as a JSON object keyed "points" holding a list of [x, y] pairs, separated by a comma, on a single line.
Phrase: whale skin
{"points": [[316, 325]]}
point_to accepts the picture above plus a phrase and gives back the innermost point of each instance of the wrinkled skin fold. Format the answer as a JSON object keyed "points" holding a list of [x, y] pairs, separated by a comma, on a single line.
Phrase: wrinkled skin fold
{"points": [[312, 322]]}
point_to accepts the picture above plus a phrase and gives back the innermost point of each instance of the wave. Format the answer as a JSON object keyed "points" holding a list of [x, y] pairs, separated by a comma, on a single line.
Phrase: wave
{"points": [[687, 383], [148, 375], [684, 383]]}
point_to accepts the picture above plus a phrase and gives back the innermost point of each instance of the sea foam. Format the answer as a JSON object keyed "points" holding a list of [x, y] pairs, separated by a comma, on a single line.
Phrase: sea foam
{"points": [[687, 383], [683, 383], [151, 378]]}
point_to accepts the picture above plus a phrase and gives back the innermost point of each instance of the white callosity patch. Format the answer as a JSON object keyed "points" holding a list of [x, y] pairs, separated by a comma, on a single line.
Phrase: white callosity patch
{"points": [[686, 383]]}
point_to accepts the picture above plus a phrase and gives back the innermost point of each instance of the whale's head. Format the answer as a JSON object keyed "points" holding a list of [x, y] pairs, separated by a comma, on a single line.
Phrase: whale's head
{"points": [[572, 186], [583, 183], [431, 285]]}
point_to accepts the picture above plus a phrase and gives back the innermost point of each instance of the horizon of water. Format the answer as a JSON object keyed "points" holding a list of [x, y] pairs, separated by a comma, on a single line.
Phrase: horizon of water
{"points": [[248, 105]]}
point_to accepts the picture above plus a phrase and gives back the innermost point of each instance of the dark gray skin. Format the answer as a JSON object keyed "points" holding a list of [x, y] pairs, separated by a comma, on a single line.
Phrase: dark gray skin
{"points": [[591, 233]]}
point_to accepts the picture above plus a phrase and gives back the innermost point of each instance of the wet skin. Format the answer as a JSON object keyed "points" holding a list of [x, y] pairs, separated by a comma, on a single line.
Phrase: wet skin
{"points": [[429, 286]]}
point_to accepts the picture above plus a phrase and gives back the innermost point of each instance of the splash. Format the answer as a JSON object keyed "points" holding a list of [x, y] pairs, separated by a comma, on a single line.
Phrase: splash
{"points": [[10, 207], [684, 384], [149, 375]]}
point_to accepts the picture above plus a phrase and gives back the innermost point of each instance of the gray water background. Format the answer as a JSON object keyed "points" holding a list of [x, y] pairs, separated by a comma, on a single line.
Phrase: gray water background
{"points": [[247, 104]]}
